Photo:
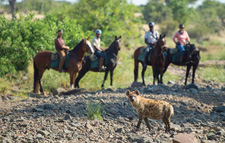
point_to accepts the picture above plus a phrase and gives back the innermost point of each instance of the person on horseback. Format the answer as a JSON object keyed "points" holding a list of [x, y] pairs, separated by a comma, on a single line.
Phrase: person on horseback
{"points": [[151, 38], [61, 48], [96, 43], [182, 37]]}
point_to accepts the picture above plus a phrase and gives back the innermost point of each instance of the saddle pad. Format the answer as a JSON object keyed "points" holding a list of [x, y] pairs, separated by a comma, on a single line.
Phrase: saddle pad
{"points": [[55, 63], [174, 51], [141, 57], [54, 56], [176, 57], [142, 50], [93, 57], [95, 64]]}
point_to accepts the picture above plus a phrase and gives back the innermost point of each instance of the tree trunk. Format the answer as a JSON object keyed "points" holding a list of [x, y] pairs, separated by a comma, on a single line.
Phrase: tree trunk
{"points": [[12, 5]]}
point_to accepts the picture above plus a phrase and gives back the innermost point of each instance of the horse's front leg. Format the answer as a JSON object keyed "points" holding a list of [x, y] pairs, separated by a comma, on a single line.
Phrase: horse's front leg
{"points": [[154, 73], [143, 73], [73, 76], [111, 77], [106, 74], [193, 74], [187, 73]]}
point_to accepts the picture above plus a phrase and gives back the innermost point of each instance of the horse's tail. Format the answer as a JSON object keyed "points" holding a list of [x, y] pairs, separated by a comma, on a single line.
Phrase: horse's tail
{"points": [[35, 75], [136, 54]]}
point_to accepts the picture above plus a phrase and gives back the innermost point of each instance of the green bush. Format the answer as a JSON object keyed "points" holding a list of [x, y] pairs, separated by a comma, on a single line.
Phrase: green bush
{"points": [[94, 110], [24, 37]]}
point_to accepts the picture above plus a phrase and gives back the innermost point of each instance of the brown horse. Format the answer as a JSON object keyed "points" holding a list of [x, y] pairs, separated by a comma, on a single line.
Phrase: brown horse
{"points": [[157, 61], [42, 62]]}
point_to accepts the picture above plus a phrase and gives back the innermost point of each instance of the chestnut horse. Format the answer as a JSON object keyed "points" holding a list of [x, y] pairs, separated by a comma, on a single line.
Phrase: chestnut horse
{"points": [[191, 59], [111, 54], [157, 61], [42, 62]]}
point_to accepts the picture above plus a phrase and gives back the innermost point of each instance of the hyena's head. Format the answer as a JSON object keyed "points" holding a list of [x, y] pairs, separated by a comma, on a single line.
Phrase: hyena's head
{"points": [[133, 97]]}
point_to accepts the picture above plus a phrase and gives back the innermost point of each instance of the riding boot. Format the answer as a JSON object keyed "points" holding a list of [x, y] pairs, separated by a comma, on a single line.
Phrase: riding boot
{"points": [[181, 59], [146, 60], [101, 64]]}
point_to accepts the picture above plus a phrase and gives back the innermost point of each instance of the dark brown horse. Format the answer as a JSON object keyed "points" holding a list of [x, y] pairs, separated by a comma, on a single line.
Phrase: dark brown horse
{"points": [[191, 58], [111, 58], [157, 61], [42, 62]]}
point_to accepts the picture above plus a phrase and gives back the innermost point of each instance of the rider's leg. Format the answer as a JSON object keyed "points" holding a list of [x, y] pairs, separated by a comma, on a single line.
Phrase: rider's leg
{"points": [[62, 56], [181, 49]]}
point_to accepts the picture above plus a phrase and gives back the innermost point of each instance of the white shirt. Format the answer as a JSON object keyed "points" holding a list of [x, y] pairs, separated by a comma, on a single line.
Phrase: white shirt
{"points": [[96, 42], [151, 36]]}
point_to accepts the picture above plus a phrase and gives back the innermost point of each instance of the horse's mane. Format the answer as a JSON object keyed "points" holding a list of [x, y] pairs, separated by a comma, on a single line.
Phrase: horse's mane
{"points": [[76, 48]]}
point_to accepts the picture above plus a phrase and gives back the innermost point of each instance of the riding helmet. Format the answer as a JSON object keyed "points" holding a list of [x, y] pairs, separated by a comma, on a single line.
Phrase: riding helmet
{"points": [[151, 24], [98, 31], [181, 26]]}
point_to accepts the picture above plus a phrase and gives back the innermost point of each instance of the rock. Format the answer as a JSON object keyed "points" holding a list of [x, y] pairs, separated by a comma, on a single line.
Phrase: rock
{"points": [[170, 82], [43, 133], [57, 91], [72, 91], [140, 139], [175, 127], [39, 136], [185, 138], [67, 117], [119, 130], [88, 125], [37, 110], [193, 91], [137, 84], [219, 109], [48, 106], [192, 85], [211, 136]]}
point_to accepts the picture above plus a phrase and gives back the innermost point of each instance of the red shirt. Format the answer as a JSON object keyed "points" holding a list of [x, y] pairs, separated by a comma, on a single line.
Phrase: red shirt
{"points": [[59, 43], [181, 38]]}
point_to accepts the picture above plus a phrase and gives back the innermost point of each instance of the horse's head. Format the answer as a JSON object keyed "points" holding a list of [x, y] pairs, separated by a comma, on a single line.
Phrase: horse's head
{"points": [[194, 53], [160, 43], [117, 42], [87, 46]]}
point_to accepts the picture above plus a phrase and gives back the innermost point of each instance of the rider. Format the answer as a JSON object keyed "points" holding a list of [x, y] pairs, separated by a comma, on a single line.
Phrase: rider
{"points": [[182, 37], [96, 42], [151, 38], [61, 47]]}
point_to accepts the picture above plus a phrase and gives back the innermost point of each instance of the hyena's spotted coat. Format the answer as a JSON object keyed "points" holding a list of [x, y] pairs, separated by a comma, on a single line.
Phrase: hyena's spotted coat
{"points": [[149, 108]]}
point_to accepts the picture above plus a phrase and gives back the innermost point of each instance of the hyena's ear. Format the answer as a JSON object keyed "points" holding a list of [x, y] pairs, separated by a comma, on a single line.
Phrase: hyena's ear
{"points": [[127, 92], [137, 92]]}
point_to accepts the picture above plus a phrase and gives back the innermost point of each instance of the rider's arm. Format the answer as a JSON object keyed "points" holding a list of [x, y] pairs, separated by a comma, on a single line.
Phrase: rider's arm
{"points": [[187, 37], [60, 46], [174, 38]]}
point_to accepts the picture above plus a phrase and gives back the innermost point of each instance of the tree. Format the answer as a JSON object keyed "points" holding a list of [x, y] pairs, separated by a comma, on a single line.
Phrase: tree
{"points": [[156, 11], [12, 4]]}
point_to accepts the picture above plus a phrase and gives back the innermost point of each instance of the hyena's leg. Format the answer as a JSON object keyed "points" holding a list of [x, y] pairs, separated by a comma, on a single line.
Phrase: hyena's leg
{"points": [[147, 123], [165, 121], [139, 123]]}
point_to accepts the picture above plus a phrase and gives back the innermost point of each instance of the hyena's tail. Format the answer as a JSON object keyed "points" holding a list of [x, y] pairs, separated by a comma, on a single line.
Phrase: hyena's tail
{"points": [[171, 113]]}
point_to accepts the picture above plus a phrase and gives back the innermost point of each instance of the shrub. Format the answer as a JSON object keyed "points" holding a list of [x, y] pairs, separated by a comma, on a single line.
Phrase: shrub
{"points": [[94, 110]]}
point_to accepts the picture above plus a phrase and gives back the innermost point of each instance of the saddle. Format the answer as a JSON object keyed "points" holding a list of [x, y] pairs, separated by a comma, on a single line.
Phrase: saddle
{"points": [[54, 56]]}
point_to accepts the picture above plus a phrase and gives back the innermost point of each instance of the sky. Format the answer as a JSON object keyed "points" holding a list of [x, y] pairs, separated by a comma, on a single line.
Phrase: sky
{"points": [[136, 2]]}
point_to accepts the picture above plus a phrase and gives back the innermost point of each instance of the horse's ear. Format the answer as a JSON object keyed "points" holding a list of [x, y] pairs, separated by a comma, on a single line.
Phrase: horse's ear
{"points": [[88, 38], [82, 39], [160, 36], [115, 37], [164, 35], [120, 37]]}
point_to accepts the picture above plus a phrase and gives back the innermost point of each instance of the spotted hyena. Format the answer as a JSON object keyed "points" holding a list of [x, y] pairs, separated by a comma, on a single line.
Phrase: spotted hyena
{"points": [[149, 108]]}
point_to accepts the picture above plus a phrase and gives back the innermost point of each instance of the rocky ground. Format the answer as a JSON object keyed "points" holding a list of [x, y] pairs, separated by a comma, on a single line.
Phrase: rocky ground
{"points": [[199, 116]]}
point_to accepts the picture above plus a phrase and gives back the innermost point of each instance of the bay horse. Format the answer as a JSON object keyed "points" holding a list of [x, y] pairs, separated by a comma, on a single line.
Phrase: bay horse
{"points": [[111, 57], [42, 62], [157, 61], [191, 59]]}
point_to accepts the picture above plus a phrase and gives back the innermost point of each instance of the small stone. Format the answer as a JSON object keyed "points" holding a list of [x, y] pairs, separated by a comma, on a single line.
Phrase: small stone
{"points": [[43, 133], [48, 106], [219, 109], [119, 130], [185, 138], [211, 136], [67, 117], [88, 125]]}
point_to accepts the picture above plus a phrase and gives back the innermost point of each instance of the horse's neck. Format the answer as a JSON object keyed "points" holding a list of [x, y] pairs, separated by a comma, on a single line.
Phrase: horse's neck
{"points": [[79, 54], [111, 49]]}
